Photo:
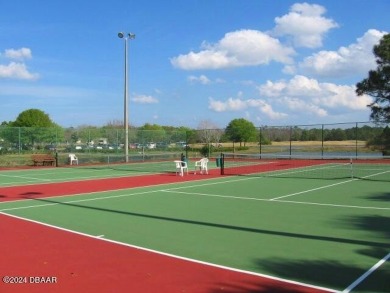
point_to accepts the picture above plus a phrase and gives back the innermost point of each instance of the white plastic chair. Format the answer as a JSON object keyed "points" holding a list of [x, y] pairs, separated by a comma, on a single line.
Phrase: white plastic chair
{"points": [[202, 165], [73, 159], [180, 167]]}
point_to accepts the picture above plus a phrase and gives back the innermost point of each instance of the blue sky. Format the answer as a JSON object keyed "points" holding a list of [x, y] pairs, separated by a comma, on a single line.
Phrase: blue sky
{"points": [[192, 62]]}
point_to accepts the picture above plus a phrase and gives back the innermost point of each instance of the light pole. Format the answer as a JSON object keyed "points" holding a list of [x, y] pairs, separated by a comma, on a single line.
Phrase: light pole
{"points": [[126, 37]]}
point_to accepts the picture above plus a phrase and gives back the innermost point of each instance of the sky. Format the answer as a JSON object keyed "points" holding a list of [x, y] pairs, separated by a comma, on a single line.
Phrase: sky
{"points": [[192, 62]]}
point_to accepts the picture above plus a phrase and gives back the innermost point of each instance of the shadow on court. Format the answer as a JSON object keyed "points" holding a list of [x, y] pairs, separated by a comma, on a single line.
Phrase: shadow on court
{"points": [[326, 273], [221, 226], [334, 274]]}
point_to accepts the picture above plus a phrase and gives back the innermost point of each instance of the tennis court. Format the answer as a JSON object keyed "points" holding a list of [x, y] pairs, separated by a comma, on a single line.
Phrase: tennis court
{"points": [[250, 230]]}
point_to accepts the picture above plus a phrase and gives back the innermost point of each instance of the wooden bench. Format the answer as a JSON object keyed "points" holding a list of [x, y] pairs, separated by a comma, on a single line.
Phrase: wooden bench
{"points": [[43, 159]]}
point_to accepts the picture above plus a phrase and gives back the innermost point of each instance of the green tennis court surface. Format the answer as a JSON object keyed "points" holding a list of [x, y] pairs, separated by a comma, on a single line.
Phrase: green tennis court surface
{"points": [[321, 232]]}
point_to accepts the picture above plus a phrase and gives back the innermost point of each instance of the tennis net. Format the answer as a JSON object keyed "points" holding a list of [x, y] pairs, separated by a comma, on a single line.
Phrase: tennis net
{"points": [[311, 167]]}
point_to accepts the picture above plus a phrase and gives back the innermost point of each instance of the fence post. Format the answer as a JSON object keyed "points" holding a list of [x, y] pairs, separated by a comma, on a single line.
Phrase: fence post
{"points": [[260, 142], [356, 139], [222, 164], [186, 146], [290, 140], [322, 141], [19, 140]]}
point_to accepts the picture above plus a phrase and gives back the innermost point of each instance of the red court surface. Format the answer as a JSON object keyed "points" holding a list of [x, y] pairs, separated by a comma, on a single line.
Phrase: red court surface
{"points": [[77, 263], [87, 186]]}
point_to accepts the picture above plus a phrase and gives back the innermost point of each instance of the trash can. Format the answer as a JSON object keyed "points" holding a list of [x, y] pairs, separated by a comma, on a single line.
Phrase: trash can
{"points": [[218, 162]]}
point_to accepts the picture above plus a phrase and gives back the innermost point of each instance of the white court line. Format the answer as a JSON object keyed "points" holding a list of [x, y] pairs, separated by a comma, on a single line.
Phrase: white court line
{"points": [[273, 200], [102, 198], [32, 181], [173, 255], [175, 190], [310, 190], [304, 169], [366, 274], [110, 191], [332, 205], [330, 185], [214, 195], [24, 177], [115, 190], [75, 201]]}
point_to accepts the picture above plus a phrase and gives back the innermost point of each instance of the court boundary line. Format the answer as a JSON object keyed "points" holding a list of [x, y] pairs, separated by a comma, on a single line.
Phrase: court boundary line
{"points": [[119, 189], [171, 255], [174, 190], [366, 274], [53, 181], [25, 177], [130, 188], [313, 189], [107, 197], [331, 185], [274, 200], [75, 201]]}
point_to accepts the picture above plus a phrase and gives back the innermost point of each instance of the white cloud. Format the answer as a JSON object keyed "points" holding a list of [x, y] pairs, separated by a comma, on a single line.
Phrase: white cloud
{"points": [[17, 71], [235, 49], [300, 105], [239, 104], [305, 24], [203, 79], [303, 86], [304, 95], [272, 89], [289, 69], [354, 59], [199, 79], [19, 54], [144, 99], [335, 96], [229, 105], [266, 108]]}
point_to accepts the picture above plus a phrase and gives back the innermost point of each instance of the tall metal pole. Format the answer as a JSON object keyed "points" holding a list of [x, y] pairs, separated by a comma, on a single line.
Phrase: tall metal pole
{"points": [[126, 95], [126, 108]]}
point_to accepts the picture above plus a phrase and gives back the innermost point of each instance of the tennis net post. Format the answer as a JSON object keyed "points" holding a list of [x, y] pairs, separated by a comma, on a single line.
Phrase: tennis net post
{"points": [[222, 163]]}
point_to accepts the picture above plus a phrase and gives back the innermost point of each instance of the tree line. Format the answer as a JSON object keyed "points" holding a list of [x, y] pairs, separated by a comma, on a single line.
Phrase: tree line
{"points": [[33, 128]]}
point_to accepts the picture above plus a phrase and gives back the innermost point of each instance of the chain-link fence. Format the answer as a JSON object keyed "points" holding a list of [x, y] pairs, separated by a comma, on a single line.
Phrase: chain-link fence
{"points": [[339, 139], [98, 145], [92, 145]]}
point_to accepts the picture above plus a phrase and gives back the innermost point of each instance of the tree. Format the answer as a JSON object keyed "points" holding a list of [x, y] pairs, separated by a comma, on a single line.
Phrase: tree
{"points": [[208, 132], [33, 118], [150, 133], [377, 84], [35, 126], [241, 130]]}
